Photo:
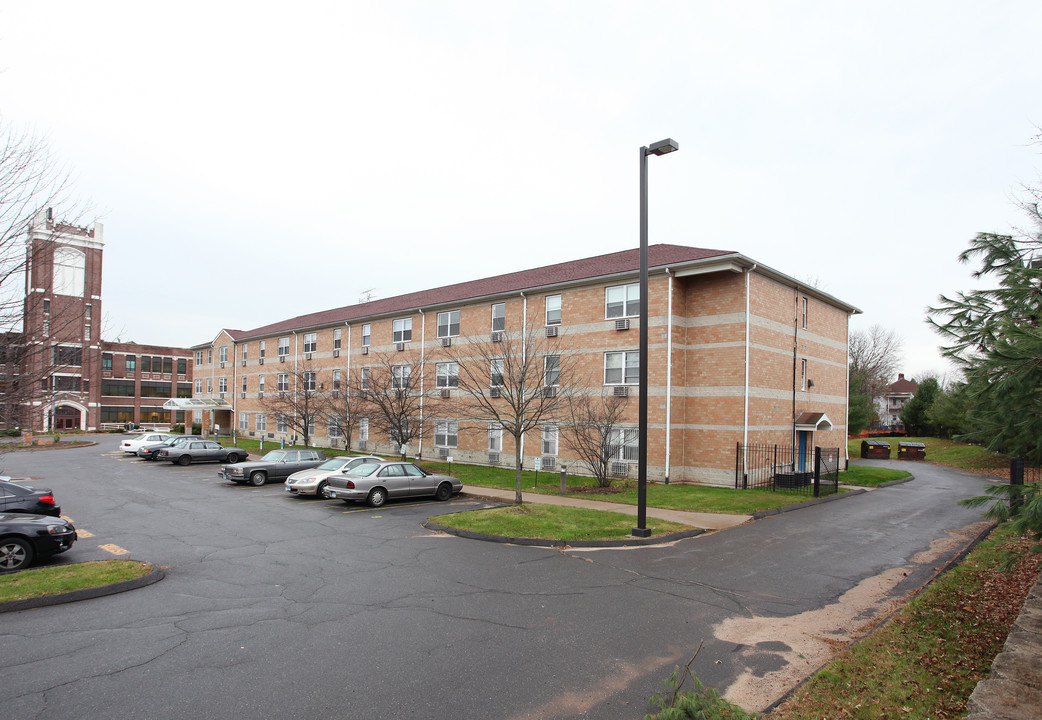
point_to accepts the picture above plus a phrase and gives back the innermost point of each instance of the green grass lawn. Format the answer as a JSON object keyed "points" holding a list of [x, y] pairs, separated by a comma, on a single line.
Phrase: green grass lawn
{"points": [[869, 476], [64, 578], [945, 452], [553, 522]]}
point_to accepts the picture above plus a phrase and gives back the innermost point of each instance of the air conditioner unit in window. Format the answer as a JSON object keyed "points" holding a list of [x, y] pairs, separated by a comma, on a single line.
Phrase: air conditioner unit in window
{"points": [[244, 363], [307, 356], [497, 337], [622, 324], [282, 396], [362, 444], [222, 365], [621, 391], [494, 392], [549, 463], [493, 458], [282, 358], [445, 342], [443, 452], [251, 433], [549, 392], [399, 347], [445, 392], [221, 395], [336, 353], [365, 349], [620, 469], [260, 361], [242, 395], [551, 331], [321, 386], [260, 394]]}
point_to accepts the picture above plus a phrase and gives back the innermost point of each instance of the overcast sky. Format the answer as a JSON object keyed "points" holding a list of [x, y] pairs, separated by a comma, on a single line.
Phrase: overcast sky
{"points": [[255, 161]]}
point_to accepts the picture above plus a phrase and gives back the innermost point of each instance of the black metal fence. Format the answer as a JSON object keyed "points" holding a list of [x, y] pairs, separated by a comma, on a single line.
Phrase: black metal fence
{"points": [[801, 470]]}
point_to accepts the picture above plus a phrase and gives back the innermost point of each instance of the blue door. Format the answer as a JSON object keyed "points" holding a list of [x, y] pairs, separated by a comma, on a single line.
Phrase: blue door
{"points": [[802, 458]]}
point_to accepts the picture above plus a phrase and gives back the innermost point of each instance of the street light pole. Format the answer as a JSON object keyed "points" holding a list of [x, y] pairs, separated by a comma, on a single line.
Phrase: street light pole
{"points": [[659, 148]]}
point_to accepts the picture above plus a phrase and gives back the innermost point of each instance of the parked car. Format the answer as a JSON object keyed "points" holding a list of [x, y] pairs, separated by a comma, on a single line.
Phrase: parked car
{"points": [[132, 445], [25, 538], [276, 465], [151, 452], [200, 451], [18, 498], [377, 482], [313, 481]]}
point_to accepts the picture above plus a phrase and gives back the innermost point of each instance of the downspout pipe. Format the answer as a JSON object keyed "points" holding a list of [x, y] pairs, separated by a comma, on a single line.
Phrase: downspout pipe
{"points": [[669, 370], [524, 349], [748, 337], [423, 404]]}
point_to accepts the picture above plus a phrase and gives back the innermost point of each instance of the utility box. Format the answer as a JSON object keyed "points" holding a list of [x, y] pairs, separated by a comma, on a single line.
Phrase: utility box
{"points": [[875, 449], [911, 451]]}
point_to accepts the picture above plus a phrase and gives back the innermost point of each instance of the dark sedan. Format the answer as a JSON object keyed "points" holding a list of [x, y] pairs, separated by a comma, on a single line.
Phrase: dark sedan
{"points": [[201, 451], [151, 452], [16, 498], [276, 465], [25, 538]]}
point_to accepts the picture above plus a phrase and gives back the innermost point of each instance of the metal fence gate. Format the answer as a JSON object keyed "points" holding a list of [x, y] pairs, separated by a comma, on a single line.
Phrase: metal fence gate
{"points": [[798, 470]]}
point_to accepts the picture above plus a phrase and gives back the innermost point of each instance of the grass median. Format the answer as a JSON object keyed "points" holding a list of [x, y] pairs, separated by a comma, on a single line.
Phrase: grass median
{"points": [[38, 582]]}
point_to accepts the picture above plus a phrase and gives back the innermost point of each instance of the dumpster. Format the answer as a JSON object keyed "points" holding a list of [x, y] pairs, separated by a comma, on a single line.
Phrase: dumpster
{"points": [[877, 449], [911, 451]]}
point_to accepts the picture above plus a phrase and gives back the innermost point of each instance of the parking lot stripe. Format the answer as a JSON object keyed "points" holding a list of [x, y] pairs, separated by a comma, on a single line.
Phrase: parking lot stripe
{"points": [[114, 549], [84, 533]]}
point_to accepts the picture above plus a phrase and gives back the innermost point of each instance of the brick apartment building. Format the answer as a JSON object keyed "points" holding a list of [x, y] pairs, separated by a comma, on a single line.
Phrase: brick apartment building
{"points": [[70, 377], [738, 353]]}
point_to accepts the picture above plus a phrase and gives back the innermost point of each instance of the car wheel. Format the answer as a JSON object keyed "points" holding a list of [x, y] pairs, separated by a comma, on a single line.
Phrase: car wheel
{"points": [[15, 554], [377, 497], [444, 492], [184, 460], [258, 478], [320, 491], [232, 458]]}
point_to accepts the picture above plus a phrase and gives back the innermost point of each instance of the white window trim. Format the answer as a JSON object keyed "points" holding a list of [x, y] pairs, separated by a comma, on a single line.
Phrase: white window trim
{"points": [[625, 356], [625, 300]]}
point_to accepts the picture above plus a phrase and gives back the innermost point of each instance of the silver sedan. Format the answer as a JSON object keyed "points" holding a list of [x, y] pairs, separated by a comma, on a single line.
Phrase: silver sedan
{"points": [[313, 481], [375, 483]]}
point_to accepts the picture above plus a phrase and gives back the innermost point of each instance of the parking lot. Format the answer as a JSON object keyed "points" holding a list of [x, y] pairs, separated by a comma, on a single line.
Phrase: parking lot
{"points": [[280, 606]]}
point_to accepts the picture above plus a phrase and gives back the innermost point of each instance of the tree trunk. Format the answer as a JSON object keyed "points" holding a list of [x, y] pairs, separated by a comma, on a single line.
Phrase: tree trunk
{"points": [[518, 500]]}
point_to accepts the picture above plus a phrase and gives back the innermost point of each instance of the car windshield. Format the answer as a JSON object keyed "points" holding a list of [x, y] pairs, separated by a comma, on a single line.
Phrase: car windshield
{"points": [[367, 468], [275, 456], [334, 463]]}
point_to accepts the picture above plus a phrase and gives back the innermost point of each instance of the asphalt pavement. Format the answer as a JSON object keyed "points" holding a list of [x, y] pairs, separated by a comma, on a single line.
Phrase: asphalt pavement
{"points": [[278, 606]]}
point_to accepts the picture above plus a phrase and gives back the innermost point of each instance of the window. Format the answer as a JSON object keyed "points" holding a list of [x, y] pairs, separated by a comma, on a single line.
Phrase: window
{"points": [[336, 339], [283, 382], [184, 390], [66, 382], [309, 381], [243, 383], [46, 327], [168, 365], [182, 366], [224, 353], [363, 429], [131, 364], [209, 385], [446, 433], [283, 346], [106, 360], [333, 423], [552, 370], [198, 386], [69, 265], [495, 437], [804, 313], [209, 356], [622, 301], [281, 424], [803, 374], [262, 422], [366, 334], [499, 317], [86, 332], [399, 434], [365, 378], [622, 368], [402, 330], [448, 324], [117, 388], [550, 440], [198, 357], [310, 342], [244, 422], [622, 445], [495, 372], [155, 389], [222, 385], [74, 356], [400, 375], [260, 383], [46, 306], [311, 424], [336, 380], [261, 352], [447, 374], [86, 311], [553, 309]]}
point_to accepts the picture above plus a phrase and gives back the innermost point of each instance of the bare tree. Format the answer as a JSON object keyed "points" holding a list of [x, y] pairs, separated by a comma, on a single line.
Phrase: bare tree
{"points": [[875, 355], [337, 404], [390, 392], [31, 182], [596, 433], [297, 400], [517, 380]]}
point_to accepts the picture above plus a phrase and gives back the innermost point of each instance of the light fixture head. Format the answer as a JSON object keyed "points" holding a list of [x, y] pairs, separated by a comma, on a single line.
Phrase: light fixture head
{"points": [[663, 146]]}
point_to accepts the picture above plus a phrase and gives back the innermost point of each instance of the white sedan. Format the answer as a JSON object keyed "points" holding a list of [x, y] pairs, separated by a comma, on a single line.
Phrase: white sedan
{"points": [[313, 481], [134, 444]]}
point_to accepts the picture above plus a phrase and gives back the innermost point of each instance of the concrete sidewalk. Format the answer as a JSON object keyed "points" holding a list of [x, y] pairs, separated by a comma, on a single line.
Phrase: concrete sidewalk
{"points": [[706, 521]]}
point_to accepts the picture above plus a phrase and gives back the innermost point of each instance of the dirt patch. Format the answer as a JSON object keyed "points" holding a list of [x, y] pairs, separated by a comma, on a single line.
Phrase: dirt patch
{"points": [[800, 644]]}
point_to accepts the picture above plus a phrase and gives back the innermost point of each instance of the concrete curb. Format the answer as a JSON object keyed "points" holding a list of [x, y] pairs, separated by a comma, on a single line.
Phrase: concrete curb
{"points": [[540, 542], [153, 576]]}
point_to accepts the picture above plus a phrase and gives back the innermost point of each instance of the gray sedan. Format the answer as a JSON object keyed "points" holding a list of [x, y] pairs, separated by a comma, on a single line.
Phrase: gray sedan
{"points": [[200, 451], [313, 481], [377, 482]]}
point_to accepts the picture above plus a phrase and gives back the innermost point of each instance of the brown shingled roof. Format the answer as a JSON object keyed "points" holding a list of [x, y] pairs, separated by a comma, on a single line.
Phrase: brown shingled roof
{"points": [[573, 271]]}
